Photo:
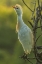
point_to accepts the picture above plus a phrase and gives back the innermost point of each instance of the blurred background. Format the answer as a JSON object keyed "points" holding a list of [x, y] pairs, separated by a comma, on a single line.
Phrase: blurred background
{"points": [[10, 47]]}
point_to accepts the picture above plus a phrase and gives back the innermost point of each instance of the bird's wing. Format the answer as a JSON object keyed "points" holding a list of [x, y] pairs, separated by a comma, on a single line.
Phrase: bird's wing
{"points": [[26, 38], [17, 27], [32, 40]]}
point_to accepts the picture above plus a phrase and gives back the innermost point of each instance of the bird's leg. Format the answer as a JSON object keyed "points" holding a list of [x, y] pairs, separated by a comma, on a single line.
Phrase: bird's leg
{"points": [[24, 56]]}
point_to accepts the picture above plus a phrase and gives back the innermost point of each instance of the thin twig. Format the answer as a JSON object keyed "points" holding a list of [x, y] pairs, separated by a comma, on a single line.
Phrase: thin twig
{"points": [[33, 17], [38, 27], [39, 47], [29, 61], [38, 37], [34, 6], [30, 24], [27, 6]]}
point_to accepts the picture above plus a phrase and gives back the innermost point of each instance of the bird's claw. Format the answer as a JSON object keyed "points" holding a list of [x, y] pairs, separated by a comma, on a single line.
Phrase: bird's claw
{"points": [[24, 56]]}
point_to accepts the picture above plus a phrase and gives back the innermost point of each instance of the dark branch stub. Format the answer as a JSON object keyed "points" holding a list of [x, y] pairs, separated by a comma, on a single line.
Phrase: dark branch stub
{"points": [[39, 47], [38, 27]]}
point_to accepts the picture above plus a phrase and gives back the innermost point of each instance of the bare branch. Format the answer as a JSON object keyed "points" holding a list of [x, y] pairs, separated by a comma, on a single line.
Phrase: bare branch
{"points": [[39, 47], [38, 37], [27, 6], [34, 5], [29, 61], [30, 23], [38, 27]]}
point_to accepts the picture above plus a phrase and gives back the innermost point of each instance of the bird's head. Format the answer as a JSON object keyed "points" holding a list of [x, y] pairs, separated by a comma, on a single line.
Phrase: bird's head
{"points": [[18, 9]]}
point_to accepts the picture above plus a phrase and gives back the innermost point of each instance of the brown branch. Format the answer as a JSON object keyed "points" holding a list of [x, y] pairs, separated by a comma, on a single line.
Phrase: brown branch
{"points": [[27, 5]]}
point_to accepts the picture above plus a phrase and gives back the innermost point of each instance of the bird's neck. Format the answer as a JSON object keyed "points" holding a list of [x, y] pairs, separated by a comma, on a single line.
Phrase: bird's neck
{"points": [[20, 20]]}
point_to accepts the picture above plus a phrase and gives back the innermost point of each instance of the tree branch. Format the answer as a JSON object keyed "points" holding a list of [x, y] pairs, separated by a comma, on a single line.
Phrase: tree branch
{"points": [[30, 24], [29, 61], [27, 6]]}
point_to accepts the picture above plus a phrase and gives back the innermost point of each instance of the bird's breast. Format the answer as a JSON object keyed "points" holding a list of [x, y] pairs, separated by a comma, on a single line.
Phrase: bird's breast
{"points": [[23, 34]]}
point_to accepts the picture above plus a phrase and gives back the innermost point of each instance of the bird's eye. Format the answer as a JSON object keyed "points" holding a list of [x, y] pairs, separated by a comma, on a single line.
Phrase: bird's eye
{"points": [[16, 8]]}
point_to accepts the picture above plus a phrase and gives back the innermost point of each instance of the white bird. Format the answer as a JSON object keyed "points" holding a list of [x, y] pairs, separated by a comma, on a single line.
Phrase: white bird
{"points": [[25, 34]]}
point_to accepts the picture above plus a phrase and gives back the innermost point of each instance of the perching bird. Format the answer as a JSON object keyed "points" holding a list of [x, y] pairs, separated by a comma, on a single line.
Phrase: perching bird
{"points": [[25, 35]]}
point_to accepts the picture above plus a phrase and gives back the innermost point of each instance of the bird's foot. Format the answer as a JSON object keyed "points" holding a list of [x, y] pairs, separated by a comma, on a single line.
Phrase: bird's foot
{"points": [[25, 57]]}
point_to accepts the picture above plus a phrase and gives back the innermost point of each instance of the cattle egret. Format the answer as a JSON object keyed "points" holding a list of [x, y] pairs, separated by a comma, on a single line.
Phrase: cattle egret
{"points": [[25, 34]]}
